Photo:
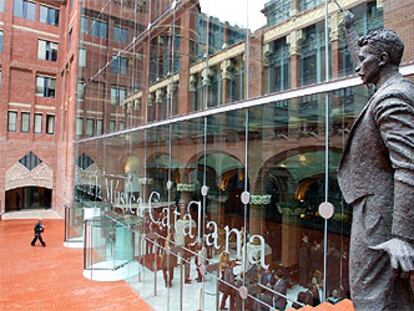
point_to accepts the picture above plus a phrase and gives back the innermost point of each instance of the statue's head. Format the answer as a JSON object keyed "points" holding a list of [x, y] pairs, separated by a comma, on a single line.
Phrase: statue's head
{"points": [[380, 49]]}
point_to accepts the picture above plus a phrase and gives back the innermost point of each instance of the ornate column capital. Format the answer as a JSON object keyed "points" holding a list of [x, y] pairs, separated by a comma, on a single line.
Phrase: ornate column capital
{"points": [[150, 100], [267, 53], [380, 4], [335, 21], [227, 69], [158, 96], [170, 90], [207, 74], [137, 104], [192, 81], [294, 40]]}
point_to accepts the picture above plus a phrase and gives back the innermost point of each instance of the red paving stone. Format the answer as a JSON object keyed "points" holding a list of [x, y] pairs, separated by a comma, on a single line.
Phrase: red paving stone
{"points": [[344, 305], [50, 278]]}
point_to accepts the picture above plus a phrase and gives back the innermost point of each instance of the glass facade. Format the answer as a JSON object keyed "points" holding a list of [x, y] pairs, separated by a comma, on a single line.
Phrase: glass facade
{"points": [[208, 145]]}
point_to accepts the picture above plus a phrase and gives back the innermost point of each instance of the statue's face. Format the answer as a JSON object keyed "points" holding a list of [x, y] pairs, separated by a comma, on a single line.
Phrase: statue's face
{"points": [[368, 68]]}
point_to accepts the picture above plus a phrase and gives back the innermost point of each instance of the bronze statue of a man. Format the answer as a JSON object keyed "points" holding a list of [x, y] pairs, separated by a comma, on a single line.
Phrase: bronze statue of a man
{"points": [[376, 176]]}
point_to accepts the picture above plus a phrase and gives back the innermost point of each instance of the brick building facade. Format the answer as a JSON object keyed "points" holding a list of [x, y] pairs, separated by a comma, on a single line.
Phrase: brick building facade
{"points": [[35, 147]]}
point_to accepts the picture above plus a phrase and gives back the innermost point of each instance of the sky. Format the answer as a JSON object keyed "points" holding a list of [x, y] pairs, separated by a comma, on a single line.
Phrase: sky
{"points": [[244, 13]]}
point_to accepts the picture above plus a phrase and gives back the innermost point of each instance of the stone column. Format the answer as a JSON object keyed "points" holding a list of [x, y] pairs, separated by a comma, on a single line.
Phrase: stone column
{"points": [[294, 41], [226, 76], [257, 215], [267, 54], [150, 101], [184, 95], [206, 75], [295, 9], [256, 68], [171, 88], [334, 24], [290, 242], [192, 89], [159, 94]]}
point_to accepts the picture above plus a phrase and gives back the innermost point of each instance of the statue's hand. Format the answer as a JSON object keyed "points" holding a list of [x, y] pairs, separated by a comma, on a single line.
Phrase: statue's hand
{"points": [[348, 19], [401, 253]]}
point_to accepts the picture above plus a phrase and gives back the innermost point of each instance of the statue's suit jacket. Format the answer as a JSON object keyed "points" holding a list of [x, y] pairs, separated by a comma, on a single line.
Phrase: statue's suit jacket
{"points": [[378, 162]]}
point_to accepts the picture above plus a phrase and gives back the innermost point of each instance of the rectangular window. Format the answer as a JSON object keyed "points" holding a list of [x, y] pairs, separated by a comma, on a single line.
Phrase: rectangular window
{"points": [[118, 95], [121, 126], [47, 50], [38, 119], [1, 41], [79, 126], [99, 29], [45, 86], [25, 122], [304, 5], [119, 64], [112, 126], [120, 34], [49, 15], [99, 128], [82, 57], [2, 5], [89, 126], [84, 24], [12, 121], [81, 90], [50, 124], [25, 9], [313, 55]]}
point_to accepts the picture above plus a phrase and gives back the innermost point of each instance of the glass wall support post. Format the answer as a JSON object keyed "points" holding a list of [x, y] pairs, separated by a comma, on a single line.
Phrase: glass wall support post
{"points": [[155, 268], [325, 234], [181, 285]]}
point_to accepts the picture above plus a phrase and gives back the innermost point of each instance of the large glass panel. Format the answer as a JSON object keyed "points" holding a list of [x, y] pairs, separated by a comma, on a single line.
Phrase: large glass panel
{"points": [[224, 175], [286, 165], [186, 173]]}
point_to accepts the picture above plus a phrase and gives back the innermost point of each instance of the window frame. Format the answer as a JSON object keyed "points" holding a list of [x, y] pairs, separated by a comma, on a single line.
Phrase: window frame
{"points": [[49, 118], [50, 50], [25, 5], [90, 130], [36, 124], [1, 40], [46, 88], [120, 34], [48, 15], [15, 114], [23, 116]]}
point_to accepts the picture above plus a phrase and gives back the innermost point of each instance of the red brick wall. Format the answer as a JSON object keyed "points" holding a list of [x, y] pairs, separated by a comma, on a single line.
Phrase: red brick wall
{"points": [[19, 65]]}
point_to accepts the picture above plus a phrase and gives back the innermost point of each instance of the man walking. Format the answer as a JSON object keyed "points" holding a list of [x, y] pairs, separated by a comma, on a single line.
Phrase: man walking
{"points": [[38, 229]]}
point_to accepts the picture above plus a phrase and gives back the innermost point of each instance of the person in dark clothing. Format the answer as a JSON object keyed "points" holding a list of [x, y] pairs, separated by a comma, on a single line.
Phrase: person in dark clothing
{"points": [[304, 255], [280, 287], [225, 286], [38, 229]]}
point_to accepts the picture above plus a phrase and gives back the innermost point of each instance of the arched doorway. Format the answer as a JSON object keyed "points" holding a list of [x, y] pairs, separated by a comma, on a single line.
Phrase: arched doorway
{"points": [[28, 198]]}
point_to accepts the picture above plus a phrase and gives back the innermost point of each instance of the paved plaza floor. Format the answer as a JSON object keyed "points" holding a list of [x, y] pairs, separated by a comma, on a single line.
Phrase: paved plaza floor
{"points": [[50, 278]]}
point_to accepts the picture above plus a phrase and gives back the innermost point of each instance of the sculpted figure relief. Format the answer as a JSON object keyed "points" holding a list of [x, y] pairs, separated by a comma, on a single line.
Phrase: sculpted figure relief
{"points": [[376, 176]]}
